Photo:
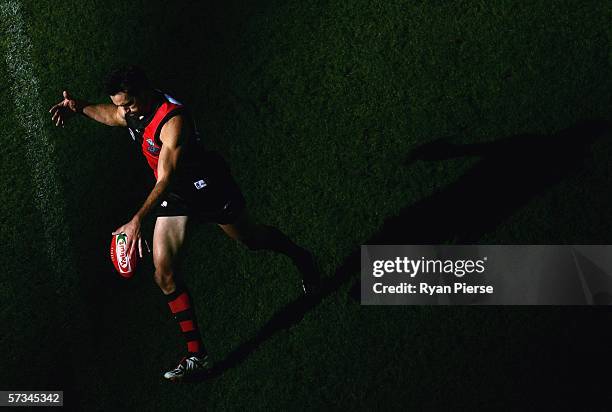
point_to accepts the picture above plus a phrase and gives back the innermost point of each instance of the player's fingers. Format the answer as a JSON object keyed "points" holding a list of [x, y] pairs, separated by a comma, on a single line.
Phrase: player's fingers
{"points": [[57, 122], [140, 247], [133, 246], [147, 245], [130, 246], [54, 116]]}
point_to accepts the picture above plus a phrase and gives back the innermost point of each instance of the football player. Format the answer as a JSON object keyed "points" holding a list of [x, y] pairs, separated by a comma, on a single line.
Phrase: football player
{"points": [[191, 182]]}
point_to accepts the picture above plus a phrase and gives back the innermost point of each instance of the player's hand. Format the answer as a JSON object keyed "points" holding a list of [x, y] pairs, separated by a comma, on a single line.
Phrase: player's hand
{"points": [[64, 109], [132, 231]]}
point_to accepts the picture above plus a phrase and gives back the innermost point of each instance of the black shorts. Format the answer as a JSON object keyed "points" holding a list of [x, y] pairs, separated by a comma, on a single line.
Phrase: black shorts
{"points": [[206, 191]]}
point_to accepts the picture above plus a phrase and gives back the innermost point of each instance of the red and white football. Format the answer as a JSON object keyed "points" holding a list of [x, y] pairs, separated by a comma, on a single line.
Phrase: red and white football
{"points": [[124, 263]]}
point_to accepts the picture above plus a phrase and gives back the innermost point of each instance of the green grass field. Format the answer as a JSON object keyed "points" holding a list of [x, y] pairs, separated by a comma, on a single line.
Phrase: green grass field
{"points": [[316, 105]]}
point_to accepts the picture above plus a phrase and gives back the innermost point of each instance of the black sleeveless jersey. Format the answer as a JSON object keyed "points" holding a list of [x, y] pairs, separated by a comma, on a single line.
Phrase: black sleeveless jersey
{"points": [[204, 170]]}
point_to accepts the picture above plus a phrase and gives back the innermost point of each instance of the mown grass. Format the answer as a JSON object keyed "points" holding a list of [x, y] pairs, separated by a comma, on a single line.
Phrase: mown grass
{"points": [[316, 105]]}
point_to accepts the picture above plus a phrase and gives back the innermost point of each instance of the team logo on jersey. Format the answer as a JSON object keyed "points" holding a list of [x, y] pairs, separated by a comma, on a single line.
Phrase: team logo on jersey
{"points": [[152, 148], [200, 184]]}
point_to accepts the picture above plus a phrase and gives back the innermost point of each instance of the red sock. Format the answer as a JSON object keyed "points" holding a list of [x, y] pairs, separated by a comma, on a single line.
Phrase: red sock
{"points": [[182, 310]]}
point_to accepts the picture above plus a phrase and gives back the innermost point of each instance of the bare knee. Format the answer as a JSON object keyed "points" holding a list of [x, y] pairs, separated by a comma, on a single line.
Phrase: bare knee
{"points": [[164, 277]]}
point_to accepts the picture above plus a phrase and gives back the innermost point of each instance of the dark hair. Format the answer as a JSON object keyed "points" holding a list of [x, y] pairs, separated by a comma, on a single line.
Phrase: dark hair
{"points": [[129, 79]]}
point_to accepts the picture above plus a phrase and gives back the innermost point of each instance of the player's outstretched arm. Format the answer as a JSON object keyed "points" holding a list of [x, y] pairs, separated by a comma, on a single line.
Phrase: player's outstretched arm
{"points": [[104, 113]]}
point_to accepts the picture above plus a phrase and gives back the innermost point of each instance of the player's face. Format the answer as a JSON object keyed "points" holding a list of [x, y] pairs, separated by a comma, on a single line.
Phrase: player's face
{"points": [[131, 105]]}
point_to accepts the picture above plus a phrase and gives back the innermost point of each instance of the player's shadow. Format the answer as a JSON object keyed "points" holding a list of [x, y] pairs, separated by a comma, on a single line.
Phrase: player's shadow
{"points": [[510, 172]]}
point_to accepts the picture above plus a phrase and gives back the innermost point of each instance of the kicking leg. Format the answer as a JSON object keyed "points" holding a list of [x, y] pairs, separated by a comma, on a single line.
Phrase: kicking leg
{"points": [[168, 237], [262, 237]]}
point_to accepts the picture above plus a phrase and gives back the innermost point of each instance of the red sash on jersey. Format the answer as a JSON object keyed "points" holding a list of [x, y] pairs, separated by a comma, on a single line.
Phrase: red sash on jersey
{"points": [[151, 145]]}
